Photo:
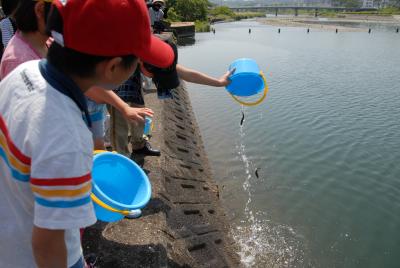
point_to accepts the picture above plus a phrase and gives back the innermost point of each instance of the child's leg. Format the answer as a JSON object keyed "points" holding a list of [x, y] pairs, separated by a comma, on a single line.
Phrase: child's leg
{"points": [[119, 132], [136, 132], [107, 126], [99, 144], [98, 134], [97, 115]]}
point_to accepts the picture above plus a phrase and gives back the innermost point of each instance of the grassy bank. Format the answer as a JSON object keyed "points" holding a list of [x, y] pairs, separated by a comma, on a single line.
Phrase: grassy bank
{"points": [[389, 11], [248, 15], [223, 13], [182, 10], [202, 26], [380, 12]]}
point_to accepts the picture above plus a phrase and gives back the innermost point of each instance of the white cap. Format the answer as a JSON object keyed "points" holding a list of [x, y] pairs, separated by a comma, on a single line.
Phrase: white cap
{"points": [[160, 1]]}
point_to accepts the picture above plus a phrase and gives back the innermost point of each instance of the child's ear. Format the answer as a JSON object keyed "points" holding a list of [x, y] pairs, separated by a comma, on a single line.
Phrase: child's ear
{"points": [[39, 10], [111, 67]]}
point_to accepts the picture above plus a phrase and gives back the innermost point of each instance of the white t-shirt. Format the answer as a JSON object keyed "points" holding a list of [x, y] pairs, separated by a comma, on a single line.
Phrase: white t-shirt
{"points": [[155, 15], [45, 166]]}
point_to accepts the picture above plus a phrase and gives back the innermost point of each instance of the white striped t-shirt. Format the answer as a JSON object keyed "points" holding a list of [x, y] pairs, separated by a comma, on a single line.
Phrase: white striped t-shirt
{"points": [[45, 166]]}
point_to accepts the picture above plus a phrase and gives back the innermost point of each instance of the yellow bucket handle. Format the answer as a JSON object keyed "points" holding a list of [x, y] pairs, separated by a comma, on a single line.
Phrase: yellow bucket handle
{"points": [[101, 203], [258, 101], [104, 205], [102, 151]]}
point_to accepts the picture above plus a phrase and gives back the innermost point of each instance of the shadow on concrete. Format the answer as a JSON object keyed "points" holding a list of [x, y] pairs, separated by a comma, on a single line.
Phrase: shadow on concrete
{"points": [[156, 205], [114, 254]]}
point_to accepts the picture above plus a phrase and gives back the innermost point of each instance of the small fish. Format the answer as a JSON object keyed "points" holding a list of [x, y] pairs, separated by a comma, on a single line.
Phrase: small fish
{"points": [[256, 172], [241, 121]]}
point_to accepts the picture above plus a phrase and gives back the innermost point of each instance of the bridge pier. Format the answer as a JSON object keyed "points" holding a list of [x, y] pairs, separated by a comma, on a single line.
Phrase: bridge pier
{"points": [[296, 12], [316, 12]]}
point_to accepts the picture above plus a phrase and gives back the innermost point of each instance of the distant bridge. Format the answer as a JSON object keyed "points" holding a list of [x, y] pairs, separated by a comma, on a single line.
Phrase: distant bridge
{"points": [[297, 8]]}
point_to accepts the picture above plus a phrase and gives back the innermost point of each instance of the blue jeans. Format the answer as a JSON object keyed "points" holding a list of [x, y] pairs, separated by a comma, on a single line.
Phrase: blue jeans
{"points": [[79, 264]]}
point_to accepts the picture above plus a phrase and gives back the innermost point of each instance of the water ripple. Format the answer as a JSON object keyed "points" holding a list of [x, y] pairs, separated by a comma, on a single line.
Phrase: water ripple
{"points": [[326, 143]]}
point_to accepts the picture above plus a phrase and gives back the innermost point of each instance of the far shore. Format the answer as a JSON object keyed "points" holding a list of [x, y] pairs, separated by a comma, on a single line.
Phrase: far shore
{"points": [[346, 23]]}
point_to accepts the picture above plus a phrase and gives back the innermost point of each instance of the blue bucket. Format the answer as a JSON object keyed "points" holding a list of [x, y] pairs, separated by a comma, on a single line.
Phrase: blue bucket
{"points": [[247, 79], [119, 185]]}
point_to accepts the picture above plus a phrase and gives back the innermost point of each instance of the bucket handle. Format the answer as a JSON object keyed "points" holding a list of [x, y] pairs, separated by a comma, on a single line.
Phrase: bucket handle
{"points": [[102, 151], [101, 203], [105, 206], [98, 152], [255, 103]]}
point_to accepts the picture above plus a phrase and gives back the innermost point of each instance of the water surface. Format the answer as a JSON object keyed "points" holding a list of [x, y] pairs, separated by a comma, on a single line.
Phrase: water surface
{"points": [[326, 144]]}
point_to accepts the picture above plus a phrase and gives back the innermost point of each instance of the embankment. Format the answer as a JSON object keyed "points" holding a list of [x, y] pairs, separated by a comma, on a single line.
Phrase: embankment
{"points": [[184, 224]]}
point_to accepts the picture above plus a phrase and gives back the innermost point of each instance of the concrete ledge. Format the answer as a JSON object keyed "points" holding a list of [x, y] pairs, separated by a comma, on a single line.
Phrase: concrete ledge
{"points": [[184, 225], [183, 29]]}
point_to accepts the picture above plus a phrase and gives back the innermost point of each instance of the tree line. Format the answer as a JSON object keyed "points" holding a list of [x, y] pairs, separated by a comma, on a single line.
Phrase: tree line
{"points": [[188, 10]]}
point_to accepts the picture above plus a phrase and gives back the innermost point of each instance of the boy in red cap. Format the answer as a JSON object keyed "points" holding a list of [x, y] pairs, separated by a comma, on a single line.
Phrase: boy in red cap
{"points": [[45, 144], [31, 43]]}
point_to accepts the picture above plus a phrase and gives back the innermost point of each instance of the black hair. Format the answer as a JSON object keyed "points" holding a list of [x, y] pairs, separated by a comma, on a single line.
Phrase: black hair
{"points": [[72, 62], [25, 16], [9, 6]]}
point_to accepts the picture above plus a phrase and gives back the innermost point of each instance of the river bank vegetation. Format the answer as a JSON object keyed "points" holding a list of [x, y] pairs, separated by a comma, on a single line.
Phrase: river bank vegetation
{"points": [[387, 11], [203, 13]]}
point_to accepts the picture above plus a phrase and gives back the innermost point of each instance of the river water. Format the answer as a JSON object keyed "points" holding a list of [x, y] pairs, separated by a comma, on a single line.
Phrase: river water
{"points": [[326, 144]]}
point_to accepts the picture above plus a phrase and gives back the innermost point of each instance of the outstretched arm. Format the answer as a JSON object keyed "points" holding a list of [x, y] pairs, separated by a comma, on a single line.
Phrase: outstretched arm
{"points": [[197, 77], [106, 96]]}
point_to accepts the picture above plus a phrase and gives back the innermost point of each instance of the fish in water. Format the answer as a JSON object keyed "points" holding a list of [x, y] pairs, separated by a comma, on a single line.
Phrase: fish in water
{"points": [[241, 121], [256, 172]]}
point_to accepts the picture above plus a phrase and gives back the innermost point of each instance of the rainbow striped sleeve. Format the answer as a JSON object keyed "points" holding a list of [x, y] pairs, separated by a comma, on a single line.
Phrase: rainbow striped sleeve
{"points": [[18, 163], [62, 192]]}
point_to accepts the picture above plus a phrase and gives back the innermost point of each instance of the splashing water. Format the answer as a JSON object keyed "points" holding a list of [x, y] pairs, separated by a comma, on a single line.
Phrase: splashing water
{"points": [[263, 243]]}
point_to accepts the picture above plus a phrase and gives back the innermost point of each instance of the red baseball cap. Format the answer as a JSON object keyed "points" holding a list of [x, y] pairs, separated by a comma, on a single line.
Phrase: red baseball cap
{"points": [[110, 28]]}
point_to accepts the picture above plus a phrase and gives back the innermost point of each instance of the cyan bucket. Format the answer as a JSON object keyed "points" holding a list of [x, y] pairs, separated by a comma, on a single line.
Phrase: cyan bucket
{"points": [[147, 125], [247, 79], [119, 185]]}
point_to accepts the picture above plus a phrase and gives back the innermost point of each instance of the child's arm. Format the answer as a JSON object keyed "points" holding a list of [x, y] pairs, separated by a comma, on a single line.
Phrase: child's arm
{"points": [[49, 247], [106, 96], [196, 77]]}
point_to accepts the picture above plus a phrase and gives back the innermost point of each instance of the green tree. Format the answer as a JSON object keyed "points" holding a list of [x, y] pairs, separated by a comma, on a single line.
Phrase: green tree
{"points": [[171, 3], [191, 10], [173, 15]]}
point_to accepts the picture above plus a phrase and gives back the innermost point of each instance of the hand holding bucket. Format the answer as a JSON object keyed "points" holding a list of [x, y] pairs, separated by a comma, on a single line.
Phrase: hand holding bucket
{"points": [[247, 80]]}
